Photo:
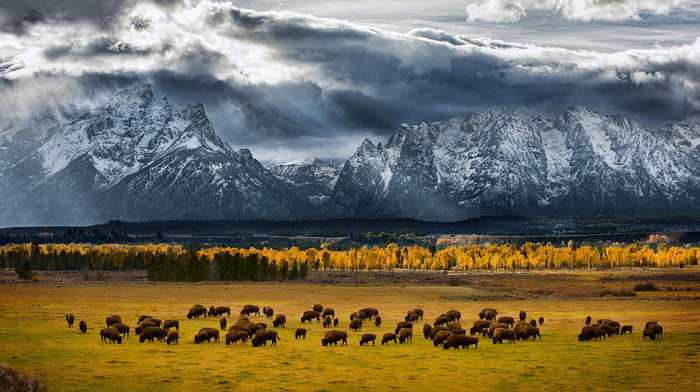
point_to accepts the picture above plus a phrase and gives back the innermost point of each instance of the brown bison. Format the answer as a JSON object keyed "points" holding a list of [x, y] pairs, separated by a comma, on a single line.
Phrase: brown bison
{"points": [[318, 308], [507, 320], [541, 320], [523, 316], [310, 315], [588, 320], [453, 315], [268, 312], [405, 334], [172, 337], [142, 317], [649, 324], [356, 325], [279, 321], [144, 324], [219, 311], [196, 311], [501, 334], [170, 323], [122, 328], [207, 334], [426, 330], [366, 338], [488, 314], [328, 321], [403, 324], [354, 315], [328, 312], [434, 330], [251, 309], [648, 333], [369, 313], [413, 318], [408, 315], [378, 321], [151, 333], [83, 326], [533, 322], [464, 341], [658, 330], [110, 334], [492, 327], [112, 320], [590, 333], [478, 327], [222, 323], [235, 335], [300, 333], [333, 337], [263, 336], [387, 337], [441, 320], [454, 325], [70, 319], [527, 332], [419, 312], [440, 337], [335, 322], [626, 329]]}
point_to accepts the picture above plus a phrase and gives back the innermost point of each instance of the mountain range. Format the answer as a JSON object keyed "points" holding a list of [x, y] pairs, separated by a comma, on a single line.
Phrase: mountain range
{"points": [[137, 158]]}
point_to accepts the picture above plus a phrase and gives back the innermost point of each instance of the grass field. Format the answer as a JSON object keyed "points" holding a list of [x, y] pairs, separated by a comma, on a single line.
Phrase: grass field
{"points": [[34, 336]]}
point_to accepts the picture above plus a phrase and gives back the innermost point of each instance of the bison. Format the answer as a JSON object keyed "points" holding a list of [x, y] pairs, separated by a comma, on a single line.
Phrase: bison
{"points": [[144, 324], [533, 322], [405, 334], [435, 330], [413, 318], [310, 315], [268, 312], [369, 313], [251, 309], [354, 315], [464, 341], [333, 337], [541, 320], [151, 333], [222, 323], [647, 332], [478, 327], [279, 321], [328, 312], [419, 312], [83, 326], [112, 334], [196, 311], [441, 320], [207, 334], [366, 338], [70, 319], [501, 334], [300, 333], [122, 328], [507, 320], [403, 324], [440, 337], [235, 335], [453, 315], [626, 329], [170, 323], [488, 314], [112, 320], [658, 330], [318, 308], [378, 321], [649, 324], [387, 337], [408, 315], [335, 322], [328, 320], [588, 320], [142, 317], [172, 337], [356, 325], [492, 327], [590, 333], [263, 336], [523, 316], [219, 311], [426, 330]]}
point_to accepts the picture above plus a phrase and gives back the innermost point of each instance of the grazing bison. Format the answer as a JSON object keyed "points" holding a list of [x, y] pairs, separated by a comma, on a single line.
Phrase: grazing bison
{"points": [[658, 330], [366, 338], [333, 337], [170, 323], [327, 321], [70, 319], [478, 327], [300, 333], [112, 320], [110, 334], [454, 325], [588, 320], [196, 311], [626, 329], [122, 328], [207, 334], [378, 321], [144, 324], [507, 320], [649, 324], [440, 337], [219, 311], [426, 330], [464, 341], [328, 312], [453, 315], [405, 334], [434, 330], [523, 316], [527, 332], [318, 308], [151, 333], [279, 321], [488, 314], [533, 322], [492, 327], [648, 333], [172, 337], [403, 324], [310, 315], [268, 312], [419, 312], [83, 326], [263, 336], [414, 318], [335, 322], [541, 320], [235, 335], [408, 315], [142, 317], [354, 315], [369, 313], [441, 320], [387, 337], [356, 325], [222, 323], [251, 309], [501, 334], [590, 333]]}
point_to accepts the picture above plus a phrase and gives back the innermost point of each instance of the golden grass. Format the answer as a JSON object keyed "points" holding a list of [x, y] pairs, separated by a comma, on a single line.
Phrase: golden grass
{"points": [[34, 336]]}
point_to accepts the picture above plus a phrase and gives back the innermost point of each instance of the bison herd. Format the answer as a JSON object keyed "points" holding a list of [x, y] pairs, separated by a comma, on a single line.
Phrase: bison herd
{"points": [[446, 331]]}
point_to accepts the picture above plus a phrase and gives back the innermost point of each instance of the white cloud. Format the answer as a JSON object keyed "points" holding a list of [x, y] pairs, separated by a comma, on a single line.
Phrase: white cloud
{"points": [[581, 10]]}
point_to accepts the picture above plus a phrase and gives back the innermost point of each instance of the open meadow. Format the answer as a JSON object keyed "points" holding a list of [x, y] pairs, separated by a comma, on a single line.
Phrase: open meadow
{"points": [[34, 336]]}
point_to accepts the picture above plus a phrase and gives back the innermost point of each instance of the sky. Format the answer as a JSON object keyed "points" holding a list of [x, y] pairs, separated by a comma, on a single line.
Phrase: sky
{"points": [[299, 79]]}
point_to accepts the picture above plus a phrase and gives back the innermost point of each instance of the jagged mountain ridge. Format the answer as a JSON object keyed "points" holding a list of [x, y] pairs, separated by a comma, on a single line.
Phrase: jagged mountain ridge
{"points": [[314, 179]]}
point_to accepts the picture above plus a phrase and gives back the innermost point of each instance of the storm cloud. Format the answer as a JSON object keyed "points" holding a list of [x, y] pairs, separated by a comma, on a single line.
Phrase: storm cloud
{"points": [[289, 85]]}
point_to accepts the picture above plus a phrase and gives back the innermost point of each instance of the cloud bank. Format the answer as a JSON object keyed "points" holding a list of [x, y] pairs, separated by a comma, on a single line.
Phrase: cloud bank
{"points": [[288, 85]]}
